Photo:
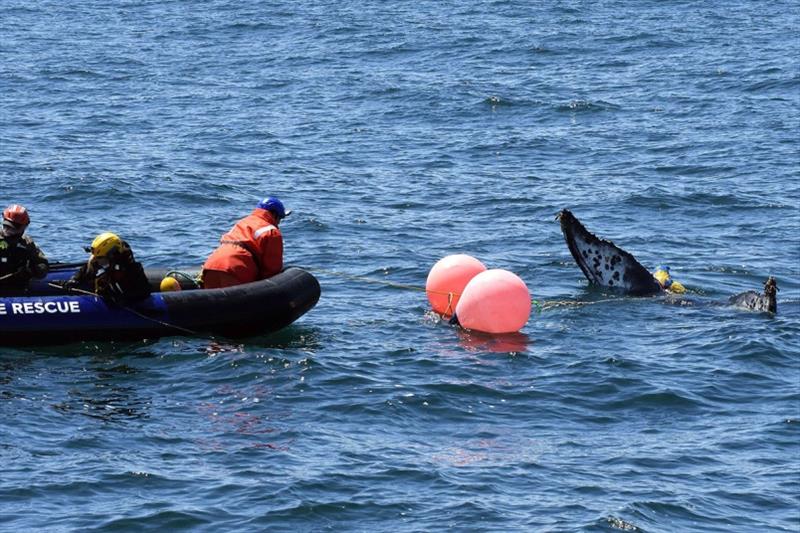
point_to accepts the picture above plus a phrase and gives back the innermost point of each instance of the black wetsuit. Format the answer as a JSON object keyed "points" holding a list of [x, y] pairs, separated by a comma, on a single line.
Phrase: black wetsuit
{"points": [[20, 260], [123, 281]]}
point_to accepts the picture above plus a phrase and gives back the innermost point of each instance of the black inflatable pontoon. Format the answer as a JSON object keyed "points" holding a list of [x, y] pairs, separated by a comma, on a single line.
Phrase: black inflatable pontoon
{"points": [[46, 314]]}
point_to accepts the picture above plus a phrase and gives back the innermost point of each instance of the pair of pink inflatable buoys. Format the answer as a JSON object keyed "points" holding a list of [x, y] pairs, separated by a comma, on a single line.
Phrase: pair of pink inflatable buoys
{"points": [[492, 301]]}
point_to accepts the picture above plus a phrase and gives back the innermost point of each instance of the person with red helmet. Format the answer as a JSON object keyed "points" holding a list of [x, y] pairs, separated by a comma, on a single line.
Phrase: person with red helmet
{"points": [[20, 258], [251, 250]]}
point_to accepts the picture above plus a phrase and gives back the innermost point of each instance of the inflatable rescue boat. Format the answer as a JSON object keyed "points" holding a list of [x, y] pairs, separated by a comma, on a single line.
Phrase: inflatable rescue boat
{"points": [[48, 314]]}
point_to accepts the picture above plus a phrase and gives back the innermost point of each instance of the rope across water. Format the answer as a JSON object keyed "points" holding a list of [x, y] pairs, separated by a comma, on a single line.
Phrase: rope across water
{"points": [[540, 305]]}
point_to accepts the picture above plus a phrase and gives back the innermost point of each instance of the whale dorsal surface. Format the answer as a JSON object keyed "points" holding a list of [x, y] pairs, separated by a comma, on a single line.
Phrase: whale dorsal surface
{"points": [[604, 263], [754, 301]]}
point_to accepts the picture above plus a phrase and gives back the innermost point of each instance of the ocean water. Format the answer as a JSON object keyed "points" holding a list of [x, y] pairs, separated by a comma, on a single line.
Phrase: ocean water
{"points": [[401, 132]]}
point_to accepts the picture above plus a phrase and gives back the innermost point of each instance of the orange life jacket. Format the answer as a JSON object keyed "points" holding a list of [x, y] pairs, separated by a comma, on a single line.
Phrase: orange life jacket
{"points": [[251, 250]]}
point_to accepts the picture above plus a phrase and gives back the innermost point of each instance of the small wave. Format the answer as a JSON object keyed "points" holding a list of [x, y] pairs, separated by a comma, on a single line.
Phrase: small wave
{"points": [[694, 170], [468, 390], [656, 400], [586, 106], [496, 101], [72, 73], [617, 63], [250, 26], [663, 198], [19, 10], [543, 50], [629, 38], [668, 512], [161, 521], [619, 523], [761, 86]]}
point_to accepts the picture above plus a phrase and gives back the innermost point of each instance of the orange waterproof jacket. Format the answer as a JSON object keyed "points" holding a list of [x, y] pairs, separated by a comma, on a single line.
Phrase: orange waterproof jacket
{"points": [[252, 250]]}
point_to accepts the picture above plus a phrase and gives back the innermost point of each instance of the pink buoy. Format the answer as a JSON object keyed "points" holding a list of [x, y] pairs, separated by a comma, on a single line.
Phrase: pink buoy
{"points": [[494, 301], [447, 279]]}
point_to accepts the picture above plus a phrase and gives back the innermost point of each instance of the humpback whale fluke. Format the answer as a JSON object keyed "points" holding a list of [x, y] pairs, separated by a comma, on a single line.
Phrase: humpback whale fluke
{"points": [[759, 302], [604, 263]]}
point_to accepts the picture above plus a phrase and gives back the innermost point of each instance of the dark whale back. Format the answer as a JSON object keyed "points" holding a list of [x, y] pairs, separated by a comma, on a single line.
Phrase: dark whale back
{"points": [[767, 302], [604, 263]]}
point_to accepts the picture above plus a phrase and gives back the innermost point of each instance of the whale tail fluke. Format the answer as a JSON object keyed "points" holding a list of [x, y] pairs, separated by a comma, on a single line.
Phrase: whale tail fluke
{"points": [[604, 263], [607, 265], [766, 302]]}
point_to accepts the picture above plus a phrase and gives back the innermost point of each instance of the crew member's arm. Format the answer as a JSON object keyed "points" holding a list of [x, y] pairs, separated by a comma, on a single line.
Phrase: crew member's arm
{"points": [[137, 285], [81, 276], [270, 243], [37, 263], [134, 284]]}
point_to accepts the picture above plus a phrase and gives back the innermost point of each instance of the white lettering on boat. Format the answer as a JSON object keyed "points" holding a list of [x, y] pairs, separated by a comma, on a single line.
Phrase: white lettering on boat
{"points": [[40, 308]]}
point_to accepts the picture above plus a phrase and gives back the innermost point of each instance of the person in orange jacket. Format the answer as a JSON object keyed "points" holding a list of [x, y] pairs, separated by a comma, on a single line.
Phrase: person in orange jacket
{"points": [[251, 250]]}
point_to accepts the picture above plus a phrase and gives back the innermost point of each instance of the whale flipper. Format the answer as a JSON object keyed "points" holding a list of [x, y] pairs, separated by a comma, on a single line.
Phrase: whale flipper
{"points": [[604, 263], [767, 302]]}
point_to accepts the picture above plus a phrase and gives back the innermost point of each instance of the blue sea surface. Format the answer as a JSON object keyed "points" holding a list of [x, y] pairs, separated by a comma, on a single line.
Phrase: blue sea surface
{"points": [[399, 133]]}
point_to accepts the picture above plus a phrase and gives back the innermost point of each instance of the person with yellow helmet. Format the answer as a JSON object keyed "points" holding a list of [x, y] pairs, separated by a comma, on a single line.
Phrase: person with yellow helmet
{"points": [[20, 258], [664, 278], [112, 272]]}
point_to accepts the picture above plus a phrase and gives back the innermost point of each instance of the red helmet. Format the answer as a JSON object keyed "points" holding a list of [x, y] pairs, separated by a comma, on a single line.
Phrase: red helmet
{"points": [[17, 214]]}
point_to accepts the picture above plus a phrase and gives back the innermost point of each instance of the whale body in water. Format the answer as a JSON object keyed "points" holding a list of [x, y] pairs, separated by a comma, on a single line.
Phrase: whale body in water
{"points": [[765, 302]]}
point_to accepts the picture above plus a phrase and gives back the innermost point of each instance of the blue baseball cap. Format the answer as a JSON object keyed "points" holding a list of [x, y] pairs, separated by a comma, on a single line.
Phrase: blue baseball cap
{"points": [[270, 203]]}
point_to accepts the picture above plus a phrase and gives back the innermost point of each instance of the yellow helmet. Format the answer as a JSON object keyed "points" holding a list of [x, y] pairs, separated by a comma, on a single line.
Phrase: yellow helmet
{"points": [[664, 279], [106, 243]]}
